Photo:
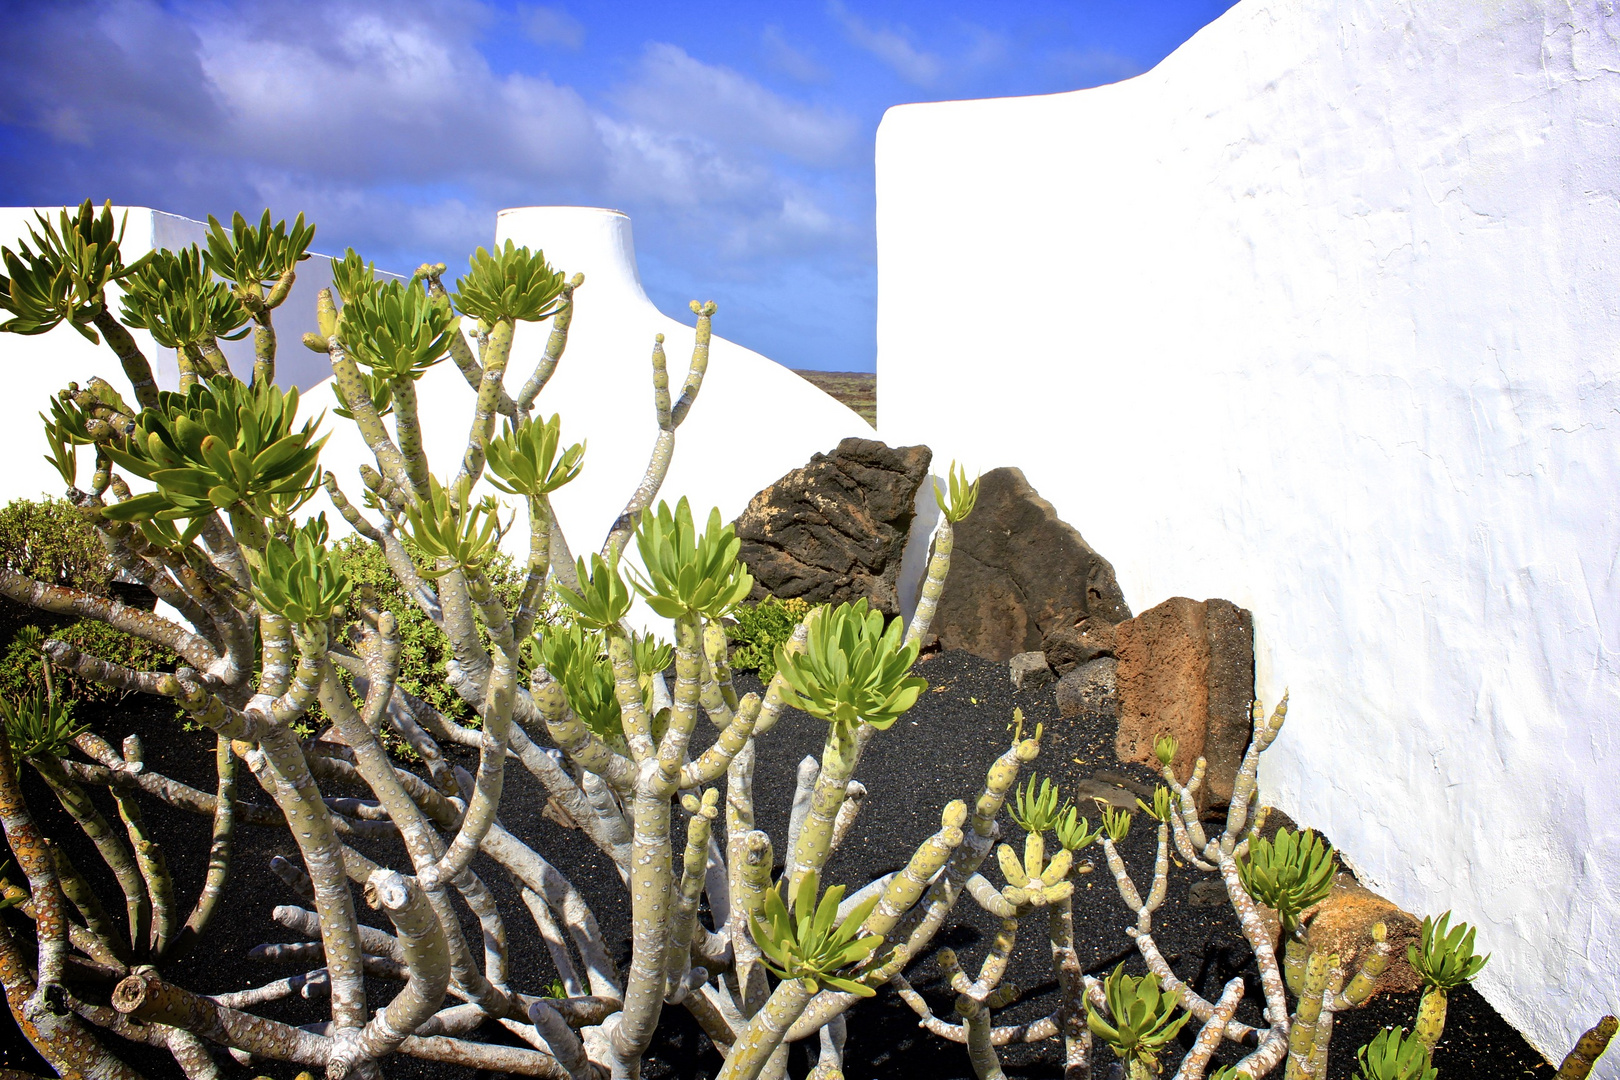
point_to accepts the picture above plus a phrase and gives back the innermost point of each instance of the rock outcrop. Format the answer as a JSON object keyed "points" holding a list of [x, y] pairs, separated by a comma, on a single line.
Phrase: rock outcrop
{"points": [[835, 529], [1186, 668], [1023, 580]]}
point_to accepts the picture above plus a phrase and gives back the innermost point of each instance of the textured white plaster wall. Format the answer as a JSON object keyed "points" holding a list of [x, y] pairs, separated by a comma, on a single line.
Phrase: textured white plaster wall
{"points": [[37, 367], [1320, 315]]}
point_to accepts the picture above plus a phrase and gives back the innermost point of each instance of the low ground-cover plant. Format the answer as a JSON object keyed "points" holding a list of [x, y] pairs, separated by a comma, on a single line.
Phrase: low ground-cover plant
{"points": [[759, 629], [275, 621]]}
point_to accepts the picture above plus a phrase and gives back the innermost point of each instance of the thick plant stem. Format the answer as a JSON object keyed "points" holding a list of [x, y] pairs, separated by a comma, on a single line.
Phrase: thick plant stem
{"points": [[130, 357], [1431, 1017], [61, 1038], [766, 1030], [50, 909], [146, 997], [300, 800], [838, 757], [219, 850], [651, 907], [427, 960], [154, 869], [1577, 1064], [668, 420], [490, 393], [408, 429], [556, 342], [939, 565], [137, 905]]}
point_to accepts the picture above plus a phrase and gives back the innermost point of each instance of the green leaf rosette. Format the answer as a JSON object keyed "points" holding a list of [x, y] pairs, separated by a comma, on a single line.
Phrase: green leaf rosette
{"points": [[852, 670]]}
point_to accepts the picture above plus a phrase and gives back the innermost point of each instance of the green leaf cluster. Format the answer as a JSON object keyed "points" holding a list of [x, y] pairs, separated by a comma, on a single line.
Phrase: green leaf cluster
{"points": [[1142, 1014], [760, 628], [300, 581], [800, 940], [1288, 874], [447, 524], [577, 659], [1115, 822], [396, 330], [962, 497], [1160, 810], [251, 257], [688, 574], [602, 599], [377, 388], [174, 296], [524, 460], [512, 283], [852, 670], [38, 725], [1037, 810], [1395, 1055], [352, 277], [1444, 958], [221, 445], [64, 274]]}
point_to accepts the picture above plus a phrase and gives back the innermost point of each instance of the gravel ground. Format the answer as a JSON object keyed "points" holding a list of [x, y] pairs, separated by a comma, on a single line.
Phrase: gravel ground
{"points": [[937, 752]]}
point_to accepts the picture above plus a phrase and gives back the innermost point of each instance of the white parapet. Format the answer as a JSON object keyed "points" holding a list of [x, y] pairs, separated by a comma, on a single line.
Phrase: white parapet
{"points": [[1320, 316]]}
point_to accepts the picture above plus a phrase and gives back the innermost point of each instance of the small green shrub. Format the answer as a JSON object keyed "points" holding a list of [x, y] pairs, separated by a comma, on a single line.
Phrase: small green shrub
{"points": [[760, 629], [51, 541]]}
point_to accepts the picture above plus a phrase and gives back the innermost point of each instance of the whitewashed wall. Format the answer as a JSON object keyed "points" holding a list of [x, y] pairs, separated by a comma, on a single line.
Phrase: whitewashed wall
{"points": [[35, 368], [1321, 315]]}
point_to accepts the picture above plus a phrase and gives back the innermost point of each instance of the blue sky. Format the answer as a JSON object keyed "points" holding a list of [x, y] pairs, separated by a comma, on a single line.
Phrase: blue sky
{"points": [[738, 136]]}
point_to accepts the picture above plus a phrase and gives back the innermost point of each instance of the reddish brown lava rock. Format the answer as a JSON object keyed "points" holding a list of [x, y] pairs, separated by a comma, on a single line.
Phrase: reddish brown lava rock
{"points": [[1186, 668]]}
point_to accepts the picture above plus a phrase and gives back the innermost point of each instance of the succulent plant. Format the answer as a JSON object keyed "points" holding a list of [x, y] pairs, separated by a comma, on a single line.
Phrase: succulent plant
{"points": [[524, 460], [1160, 810], [251, 257], [852, 670], [1392, 1055], [801, 941], [37, 724], [688, 574], [574, 656], [172, 295], [510, 283], [1036, 811], [1073, 831], [448, 525], [962, 496], [1164, 749], [1141, 1019], [395, 330], [1288, 874], [1115, 822], [220, 445], [299, 580], [1443, 959], [602, 599], [352, 277], [63, 275]]}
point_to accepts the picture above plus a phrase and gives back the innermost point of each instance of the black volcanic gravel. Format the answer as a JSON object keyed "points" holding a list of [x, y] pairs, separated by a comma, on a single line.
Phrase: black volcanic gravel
{"points": [[937, 752]]}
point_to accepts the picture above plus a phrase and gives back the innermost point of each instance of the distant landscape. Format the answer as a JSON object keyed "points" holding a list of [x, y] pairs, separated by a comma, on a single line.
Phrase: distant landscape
{"points": [[857, 389]]}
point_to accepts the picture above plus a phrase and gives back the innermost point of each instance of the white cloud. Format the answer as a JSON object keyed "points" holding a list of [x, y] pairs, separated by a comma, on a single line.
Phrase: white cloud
{"points": [[676, 93], [792, 62], [893, 47], [553, 26]]}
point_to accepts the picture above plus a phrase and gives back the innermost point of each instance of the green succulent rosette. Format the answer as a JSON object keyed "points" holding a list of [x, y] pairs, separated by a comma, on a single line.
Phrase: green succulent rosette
{"points": [[1141, 1016], [298, 579], [1288, 874], [806, 940], [447, 524], [221, 445], [509, 283], [174, 297], [688, 574], [63, 273], [396, 330], [525, 460], [852, 669], [38, 725]]}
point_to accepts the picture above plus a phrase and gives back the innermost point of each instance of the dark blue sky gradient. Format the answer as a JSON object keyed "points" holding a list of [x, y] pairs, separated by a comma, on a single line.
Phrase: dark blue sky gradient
{"points": [[738, 136]]}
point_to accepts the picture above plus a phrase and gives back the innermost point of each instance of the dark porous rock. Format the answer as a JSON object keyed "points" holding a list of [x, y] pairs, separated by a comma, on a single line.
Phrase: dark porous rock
{"points": [[1029, 671], [1096, 791], [1206, 894], [1023, 580], [1089, 690], [834, 530], [1186, 669]]}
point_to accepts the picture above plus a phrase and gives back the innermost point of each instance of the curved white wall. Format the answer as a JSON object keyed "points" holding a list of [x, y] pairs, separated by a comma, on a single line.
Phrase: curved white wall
{"points": [[1321, 316]]}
